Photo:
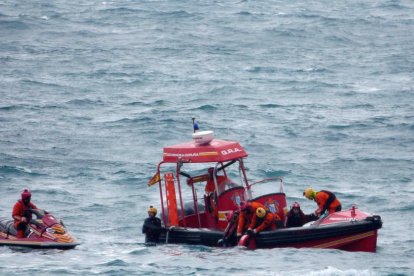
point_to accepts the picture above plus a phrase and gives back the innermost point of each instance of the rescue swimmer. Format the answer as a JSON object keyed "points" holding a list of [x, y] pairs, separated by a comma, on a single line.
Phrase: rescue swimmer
{"points": [[326, 201]]}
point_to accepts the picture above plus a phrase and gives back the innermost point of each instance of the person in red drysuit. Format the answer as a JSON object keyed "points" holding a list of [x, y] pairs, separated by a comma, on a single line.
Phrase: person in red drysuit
{"points": [[263, 220], [326, 200], [247, 211], [22, 213]]}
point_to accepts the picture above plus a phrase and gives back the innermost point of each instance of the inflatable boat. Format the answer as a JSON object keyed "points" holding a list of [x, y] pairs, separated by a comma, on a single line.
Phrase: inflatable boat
{"points": [[202, 180]]}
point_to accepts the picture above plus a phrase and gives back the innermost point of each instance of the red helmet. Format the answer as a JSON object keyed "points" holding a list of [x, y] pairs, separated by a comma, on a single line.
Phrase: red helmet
{"points": [[296, 205], [26, 194]]}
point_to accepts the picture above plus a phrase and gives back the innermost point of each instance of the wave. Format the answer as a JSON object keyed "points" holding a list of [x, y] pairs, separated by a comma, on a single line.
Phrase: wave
{"points": [[132, 120], [11, 107], [42, 83], [84, 102], [371, 160], [261, 69], [156, 103], [12, 25], [347, 126], [12, 170], [174, 14], [329, 270], [270, 173], [360, 106], [139, 252], [205, 107], [116, 262], [271, 106], [121, 11]]}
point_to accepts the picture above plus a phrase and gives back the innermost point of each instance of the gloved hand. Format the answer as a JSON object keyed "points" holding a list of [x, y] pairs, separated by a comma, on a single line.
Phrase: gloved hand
{"points": [[250, 232]]}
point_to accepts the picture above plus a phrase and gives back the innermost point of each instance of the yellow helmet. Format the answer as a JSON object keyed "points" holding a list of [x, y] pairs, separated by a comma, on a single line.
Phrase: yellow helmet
{"points": [[152, 209], [309, 193], [260, 212]]}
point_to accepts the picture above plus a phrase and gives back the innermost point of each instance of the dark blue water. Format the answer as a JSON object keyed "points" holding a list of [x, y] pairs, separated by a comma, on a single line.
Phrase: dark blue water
{"points": [[318, 92]]}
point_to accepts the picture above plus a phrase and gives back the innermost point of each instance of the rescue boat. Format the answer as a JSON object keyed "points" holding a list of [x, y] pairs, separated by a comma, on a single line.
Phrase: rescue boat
{"points": [[190, 216], [44, 231]]}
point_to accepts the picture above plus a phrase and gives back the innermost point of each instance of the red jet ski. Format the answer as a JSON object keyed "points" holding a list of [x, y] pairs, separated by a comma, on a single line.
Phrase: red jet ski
{"points": [[191, 216], [45, 231]]}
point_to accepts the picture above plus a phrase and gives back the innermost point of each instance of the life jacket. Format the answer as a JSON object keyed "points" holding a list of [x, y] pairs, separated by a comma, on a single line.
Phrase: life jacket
{"points": [[268, 222], [22, 210], [332, 203], [247, 215]]}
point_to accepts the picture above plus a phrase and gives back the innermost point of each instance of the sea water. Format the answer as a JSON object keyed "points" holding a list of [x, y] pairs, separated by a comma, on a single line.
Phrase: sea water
{"points": [[320, 93]]}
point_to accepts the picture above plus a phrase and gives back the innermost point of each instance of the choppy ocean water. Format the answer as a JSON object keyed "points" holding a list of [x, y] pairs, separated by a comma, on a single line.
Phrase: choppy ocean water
{"points": [[318, 92]]}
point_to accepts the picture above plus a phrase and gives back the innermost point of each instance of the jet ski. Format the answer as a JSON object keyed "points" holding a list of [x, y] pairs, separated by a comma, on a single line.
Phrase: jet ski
{"points": [[44, 231]]}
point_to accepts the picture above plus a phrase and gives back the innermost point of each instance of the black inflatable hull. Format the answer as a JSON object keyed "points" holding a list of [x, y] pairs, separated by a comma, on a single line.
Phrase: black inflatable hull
{"points": [[352, 236], [38, 245]]}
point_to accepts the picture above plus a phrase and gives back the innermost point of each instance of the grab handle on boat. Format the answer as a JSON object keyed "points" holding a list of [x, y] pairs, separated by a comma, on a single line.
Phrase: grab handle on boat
{"points": [[171, 228]]}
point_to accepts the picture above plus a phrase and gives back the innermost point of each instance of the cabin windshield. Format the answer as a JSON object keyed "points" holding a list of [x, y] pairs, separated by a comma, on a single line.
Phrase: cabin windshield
{"points": [[213, 178]]}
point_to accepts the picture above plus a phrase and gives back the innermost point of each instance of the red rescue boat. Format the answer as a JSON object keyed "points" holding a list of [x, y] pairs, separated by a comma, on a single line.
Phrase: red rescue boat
{"points": [[190, 216]]}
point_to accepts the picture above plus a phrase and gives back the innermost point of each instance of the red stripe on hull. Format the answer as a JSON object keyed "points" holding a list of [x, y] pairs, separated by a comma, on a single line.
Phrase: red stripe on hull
{"points": [[366, 241]]}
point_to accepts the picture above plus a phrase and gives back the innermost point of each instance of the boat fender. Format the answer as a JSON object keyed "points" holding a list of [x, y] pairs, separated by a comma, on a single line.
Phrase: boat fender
{"points": [[244, 241]]}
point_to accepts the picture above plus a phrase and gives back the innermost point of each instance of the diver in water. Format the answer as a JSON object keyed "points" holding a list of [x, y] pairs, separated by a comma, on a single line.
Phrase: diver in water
{"points": [[152, 226]]}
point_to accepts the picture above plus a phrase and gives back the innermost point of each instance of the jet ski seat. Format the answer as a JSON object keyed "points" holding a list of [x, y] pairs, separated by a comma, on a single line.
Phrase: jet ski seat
{"points": [[6, 226]]}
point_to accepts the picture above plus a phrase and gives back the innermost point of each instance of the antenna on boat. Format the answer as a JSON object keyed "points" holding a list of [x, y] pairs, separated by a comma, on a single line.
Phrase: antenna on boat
{"points": [[202, 137], [195, 125]]}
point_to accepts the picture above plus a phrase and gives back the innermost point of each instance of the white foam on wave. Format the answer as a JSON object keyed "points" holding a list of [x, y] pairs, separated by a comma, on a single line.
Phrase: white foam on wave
{"points": [[327, 271]]}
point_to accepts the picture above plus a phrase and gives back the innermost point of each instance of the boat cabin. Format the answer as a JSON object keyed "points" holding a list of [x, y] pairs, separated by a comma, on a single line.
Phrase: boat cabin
{"points": [[202, 180]]}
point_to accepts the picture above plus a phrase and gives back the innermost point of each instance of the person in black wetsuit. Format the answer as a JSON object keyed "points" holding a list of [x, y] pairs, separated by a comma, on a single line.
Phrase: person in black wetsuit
{"points": [[296, 218], [152, 226], [229, 236]]}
